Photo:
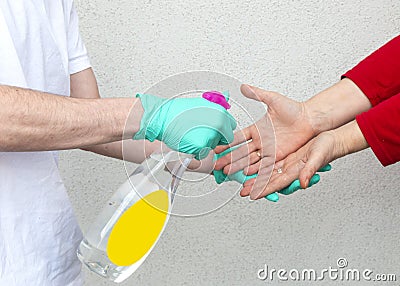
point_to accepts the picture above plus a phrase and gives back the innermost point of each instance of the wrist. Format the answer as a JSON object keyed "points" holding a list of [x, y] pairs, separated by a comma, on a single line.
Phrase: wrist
{"points": [[150, 121], [318, 119], [336, 106], [348, 139], [133, 120]]}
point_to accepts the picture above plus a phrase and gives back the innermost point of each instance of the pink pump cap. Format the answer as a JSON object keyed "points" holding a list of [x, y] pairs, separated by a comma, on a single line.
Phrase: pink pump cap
{"points": [[217, 97]]}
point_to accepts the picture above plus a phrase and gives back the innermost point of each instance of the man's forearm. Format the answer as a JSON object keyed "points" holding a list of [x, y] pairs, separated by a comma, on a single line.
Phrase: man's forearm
{"points": [[135, 151], [37, 121], [336, 106]]}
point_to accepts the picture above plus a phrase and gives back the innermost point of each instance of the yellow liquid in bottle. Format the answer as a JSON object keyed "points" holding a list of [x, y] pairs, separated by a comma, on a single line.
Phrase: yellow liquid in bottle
{"points": [[138, 229]]}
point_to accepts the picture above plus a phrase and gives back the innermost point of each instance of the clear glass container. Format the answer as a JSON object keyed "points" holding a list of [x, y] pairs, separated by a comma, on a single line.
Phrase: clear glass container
{"points": [[129, 226]]}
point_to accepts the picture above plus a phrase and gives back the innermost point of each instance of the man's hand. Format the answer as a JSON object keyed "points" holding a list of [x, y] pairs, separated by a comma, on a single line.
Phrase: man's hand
{"points": [[285, 128], [188, 125]]}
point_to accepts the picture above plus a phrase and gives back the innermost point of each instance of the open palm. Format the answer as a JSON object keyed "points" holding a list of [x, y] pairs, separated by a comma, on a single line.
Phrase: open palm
{"points": [[281, 131]]}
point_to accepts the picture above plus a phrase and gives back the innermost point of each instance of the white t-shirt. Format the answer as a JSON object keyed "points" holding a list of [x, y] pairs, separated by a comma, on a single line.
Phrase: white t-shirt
{"points": [[40, 47]]}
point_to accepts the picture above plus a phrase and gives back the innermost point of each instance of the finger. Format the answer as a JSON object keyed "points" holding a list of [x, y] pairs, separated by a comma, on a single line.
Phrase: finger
{"points": [[273, 186], [247, 186], [235, 155], [314, 180], [239, 177], [252, 169], [295, 185], [258, 94], [226, 137], [261, 182], [204, 149], [243, 163], [249, 183], [225, 129], [232, 121], [268, 163], [276, 182], [245, 191], [240, 137], [221, 148], [326, 168], [274, 197], [313, 164], [249, 92]]}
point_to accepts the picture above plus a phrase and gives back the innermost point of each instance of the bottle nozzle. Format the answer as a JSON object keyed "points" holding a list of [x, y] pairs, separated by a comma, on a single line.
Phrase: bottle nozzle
{"points": [[218, 98]]}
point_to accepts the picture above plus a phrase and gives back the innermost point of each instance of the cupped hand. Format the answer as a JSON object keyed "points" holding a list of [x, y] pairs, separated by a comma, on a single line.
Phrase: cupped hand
{"points": [[302, 165], [285, 128]]}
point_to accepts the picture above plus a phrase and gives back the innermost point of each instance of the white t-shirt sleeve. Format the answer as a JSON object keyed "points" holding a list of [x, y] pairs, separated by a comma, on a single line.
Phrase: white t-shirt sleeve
{"points": [[78, 59]]}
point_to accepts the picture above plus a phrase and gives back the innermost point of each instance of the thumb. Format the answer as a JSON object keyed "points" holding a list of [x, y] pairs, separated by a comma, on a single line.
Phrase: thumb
{"points": [[259, 94], [313, 164]]}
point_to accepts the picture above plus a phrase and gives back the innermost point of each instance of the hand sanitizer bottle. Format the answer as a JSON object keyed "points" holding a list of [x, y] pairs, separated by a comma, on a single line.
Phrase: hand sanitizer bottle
{"points": [[134, 218]]}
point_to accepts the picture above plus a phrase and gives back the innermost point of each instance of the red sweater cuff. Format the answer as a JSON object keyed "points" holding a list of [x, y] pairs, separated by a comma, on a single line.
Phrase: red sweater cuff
{"points": [[380, 127], [378, 75]]}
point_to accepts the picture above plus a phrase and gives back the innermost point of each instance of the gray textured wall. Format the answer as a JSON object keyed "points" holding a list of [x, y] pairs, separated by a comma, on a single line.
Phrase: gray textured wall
{"points": [[294, 47]]}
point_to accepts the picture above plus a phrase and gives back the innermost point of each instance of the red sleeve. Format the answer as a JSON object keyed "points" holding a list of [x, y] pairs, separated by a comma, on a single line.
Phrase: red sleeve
{"points": [[381, 128], [378, 75]]}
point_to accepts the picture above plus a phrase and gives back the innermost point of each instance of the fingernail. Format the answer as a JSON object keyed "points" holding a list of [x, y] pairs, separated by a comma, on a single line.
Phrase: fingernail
{"points": [[307, 182], [254, 196]]}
